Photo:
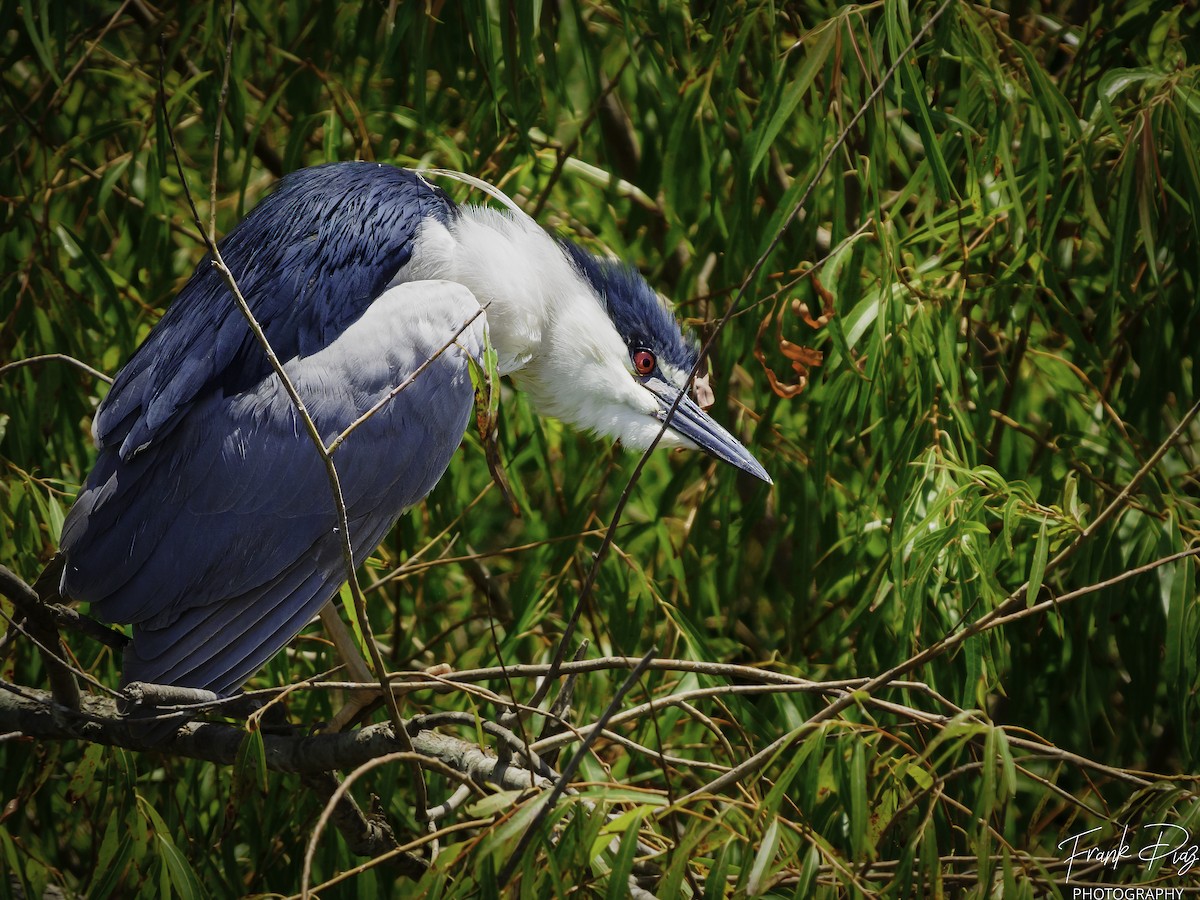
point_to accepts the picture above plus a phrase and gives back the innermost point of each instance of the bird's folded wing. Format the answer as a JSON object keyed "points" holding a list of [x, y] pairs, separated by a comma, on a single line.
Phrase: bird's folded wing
{"points": [[218, 541], [309, 260]]}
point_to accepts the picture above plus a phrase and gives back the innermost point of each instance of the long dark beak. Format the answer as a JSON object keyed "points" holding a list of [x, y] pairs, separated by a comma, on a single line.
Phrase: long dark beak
{"points": [[691, 422]]}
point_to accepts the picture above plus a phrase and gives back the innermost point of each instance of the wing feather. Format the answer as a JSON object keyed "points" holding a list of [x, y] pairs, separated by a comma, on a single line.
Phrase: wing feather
{"points": [[217, 537], [309, 260]]}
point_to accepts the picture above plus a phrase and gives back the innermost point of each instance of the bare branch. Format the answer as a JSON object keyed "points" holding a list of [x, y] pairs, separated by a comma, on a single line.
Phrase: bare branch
{"points": [[337, 799], [335, 485], [216, 150], [547, 803], [40, 626], [26, 598], [55, 357], [36, 714], [346, 432], [368, 836], [593, 571]]}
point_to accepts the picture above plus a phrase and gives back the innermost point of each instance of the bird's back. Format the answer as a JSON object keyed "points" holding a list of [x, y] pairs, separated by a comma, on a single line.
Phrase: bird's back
{"points": [[309, 260], [208, 521]]}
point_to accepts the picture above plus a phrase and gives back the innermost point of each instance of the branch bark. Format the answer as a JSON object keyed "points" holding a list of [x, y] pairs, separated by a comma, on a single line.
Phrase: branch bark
{"points": [[335, 485], [40, 625], [36, 714]]}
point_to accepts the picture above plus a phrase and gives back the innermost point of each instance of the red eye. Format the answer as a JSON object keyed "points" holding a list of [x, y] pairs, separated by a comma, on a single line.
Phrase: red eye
{"points": [[644, 362]]}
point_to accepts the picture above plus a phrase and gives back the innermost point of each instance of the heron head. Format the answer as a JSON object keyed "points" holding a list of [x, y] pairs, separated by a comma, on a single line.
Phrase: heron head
{"points": [[585, 336], [629, 366]]}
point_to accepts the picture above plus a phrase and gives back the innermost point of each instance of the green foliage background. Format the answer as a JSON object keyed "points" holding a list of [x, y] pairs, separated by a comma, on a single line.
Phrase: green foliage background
{"points": [[1006, 247]]}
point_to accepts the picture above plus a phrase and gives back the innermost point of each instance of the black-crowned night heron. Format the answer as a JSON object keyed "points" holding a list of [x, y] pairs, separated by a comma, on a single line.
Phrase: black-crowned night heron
{"points": [[208, 522]]}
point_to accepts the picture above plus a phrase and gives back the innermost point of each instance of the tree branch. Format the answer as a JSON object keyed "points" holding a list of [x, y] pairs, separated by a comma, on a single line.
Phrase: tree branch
{"points": [[36, 714], [55, 357], [41, 626], [335, 485]]}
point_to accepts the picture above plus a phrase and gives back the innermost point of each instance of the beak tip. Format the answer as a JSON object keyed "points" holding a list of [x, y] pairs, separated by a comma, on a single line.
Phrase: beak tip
{"points": [[753, 467]]}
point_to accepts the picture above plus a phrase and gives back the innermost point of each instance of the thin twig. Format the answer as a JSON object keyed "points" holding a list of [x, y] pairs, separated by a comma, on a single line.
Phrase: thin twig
{"points": [[1055, 602], [408, 848], [333, 445], [26, 598], [40, 628], [335, 485], [414, 564], [55, 357], [337, 796], [593, 572], [548, 802], [81, 62], [216, 149]]}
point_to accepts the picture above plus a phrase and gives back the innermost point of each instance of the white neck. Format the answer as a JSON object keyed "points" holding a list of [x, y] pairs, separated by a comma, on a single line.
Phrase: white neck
{"points": [[547, 325]]}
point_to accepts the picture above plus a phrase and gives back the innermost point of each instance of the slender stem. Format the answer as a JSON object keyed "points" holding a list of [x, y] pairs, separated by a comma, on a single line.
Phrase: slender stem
{"points": [[55, 357], [590, 581], [1006, 608], [39, 628], [216, 150], [335, 484], [569, 770], [384, 401], [331, 806]]}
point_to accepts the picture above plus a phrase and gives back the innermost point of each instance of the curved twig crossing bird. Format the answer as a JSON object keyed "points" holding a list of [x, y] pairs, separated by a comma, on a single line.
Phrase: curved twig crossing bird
{"points": [[207, 521]]}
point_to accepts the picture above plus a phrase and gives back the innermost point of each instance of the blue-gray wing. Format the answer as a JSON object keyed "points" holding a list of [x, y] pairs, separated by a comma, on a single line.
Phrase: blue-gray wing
{"points": [[309, 260], [218, 538]]}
